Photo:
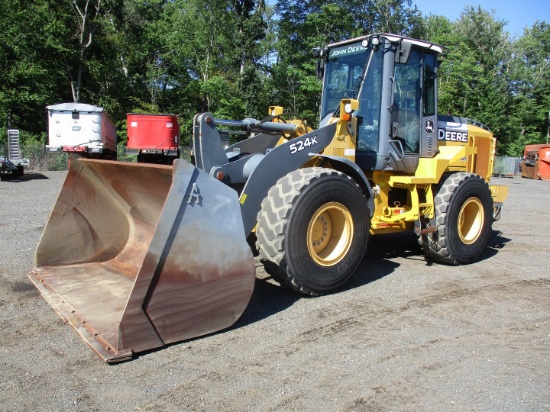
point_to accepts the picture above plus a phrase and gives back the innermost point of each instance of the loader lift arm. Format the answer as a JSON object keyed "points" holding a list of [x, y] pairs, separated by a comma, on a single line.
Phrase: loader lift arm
{"points": [[257, 179]]}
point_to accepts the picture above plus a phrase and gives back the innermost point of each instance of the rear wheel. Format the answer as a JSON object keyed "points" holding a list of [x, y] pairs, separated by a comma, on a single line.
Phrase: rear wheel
{"points": [[463, 212], [313, 229]]}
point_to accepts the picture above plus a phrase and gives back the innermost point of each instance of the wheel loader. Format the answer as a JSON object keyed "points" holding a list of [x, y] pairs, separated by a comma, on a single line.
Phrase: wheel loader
{"points": [[137, 256]]}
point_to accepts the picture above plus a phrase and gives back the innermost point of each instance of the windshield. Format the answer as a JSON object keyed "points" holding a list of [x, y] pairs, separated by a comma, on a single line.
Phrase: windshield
{"points": [[354, 71], [343, 70]]}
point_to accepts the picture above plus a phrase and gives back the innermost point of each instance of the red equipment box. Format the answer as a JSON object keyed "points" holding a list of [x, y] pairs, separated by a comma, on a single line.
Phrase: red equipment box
{"points": [[153, 133]]}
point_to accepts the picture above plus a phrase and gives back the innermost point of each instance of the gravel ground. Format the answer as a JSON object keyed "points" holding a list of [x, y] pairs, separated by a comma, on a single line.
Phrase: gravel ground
{"points": [[407, 335]]}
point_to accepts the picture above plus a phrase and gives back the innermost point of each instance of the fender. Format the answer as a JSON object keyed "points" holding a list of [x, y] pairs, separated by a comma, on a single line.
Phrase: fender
{"points": [[280, 161], [351, 169]]}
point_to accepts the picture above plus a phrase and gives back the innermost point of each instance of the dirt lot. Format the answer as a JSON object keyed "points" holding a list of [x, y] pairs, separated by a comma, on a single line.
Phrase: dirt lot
{"points": [[407, 335]]}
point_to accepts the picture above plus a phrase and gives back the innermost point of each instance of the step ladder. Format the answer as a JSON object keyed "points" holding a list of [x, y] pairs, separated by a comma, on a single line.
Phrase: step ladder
{"points": [[14, 151]]}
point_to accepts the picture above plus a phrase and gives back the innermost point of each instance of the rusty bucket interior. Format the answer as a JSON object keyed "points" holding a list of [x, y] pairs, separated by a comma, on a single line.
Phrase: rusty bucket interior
{"points": [[136, 256]]}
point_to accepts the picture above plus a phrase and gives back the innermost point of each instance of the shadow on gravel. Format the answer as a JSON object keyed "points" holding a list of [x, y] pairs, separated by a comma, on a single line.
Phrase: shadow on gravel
{"points": [[8, 177], [496, 242], [394, 245], [380, 249], [269, 299]]}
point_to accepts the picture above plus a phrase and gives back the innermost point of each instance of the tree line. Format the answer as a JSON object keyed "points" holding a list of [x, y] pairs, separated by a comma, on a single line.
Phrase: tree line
{"points": [[235, 58]]}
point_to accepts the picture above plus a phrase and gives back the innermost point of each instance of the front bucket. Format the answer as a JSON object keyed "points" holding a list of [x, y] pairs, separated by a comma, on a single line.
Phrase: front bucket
{"points": [[137, 256]]}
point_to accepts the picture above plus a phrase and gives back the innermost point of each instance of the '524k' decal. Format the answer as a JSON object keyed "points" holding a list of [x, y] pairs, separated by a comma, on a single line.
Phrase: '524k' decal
{"points": [[300, 145]]}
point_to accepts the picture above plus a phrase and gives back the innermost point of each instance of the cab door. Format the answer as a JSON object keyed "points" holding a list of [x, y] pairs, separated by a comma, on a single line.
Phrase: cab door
{"points": [[414, 109]]}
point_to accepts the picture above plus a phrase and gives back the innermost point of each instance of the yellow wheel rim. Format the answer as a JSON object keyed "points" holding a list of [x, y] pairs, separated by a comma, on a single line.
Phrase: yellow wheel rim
{"points": [[470, 220], [329, 234]]}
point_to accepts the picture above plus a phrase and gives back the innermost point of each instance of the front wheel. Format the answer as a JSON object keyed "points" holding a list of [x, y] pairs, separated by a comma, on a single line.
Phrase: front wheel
{"points": [[463, 212], [313, 229]]}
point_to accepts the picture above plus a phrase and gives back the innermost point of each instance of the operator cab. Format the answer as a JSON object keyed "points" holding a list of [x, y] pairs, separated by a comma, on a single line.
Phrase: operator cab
{"points": [[394, 80]]}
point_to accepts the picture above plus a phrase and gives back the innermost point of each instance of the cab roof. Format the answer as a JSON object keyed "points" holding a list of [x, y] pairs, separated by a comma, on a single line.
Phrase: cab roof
{"points": [[394, 38]]}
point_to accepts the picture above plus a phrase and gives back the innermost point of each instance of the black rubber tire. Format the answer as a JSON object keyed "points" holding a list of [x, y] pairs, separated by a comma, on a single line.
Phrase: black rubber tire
{"points": [[464, 218], [286, 230]]}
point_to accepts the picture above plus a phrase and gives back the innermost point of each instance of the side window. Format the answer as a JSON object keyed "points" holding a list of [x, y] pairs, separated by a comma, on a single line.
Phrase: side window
{"points": [[406, 106], [368, 115], [428, 85], [337, 84]]}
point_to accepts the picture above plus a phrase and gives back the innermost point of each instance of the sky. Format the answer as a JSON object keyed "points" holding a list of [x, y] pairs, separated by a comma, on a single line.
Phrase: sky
{"points": [[518, 14]]}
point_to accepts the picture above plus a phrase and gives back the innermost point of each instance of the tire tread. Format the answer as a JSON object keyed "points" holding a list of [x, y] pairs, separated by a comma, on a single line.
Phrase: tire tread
{"points": [[436, 246], [273, 218]]}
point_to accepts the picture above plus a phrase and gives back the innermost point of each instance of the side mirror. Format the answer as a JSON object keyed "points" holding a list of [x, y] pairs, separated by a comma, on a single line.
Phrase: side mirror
{"points": [[320, 67], [402, 52], [320, 54]]}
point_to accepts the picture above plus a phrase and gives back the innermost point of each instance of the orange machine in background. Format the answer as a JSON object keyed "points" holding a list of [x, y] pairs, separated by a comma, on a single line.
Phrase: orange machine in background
{"points": [[536, 162]]}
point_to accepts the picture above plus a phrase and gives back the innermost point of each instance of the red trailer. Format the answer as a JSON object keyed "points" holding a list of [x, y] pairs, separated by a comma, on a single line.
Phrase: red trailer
{"points": [[153, 137]]}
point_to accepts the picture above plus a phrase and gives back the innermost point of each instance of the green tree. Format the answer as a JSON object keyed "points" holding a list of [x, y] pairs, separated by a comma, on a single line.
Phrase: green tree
{"points": [[529, 82], [387, 16], [488, 47], [57, 52], [88, 14], [32, 73], [304, 25], [472, 78], [217, 49]]}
